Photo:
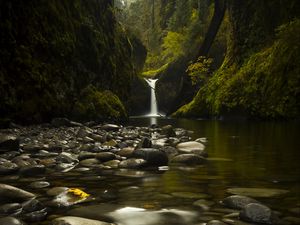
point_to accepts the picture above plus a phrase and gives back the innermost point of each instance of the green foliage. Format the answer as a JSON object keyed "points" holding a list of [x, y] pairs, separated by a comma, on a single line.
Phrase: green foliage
{"points": [[153, 73], [172, 46], [267, 85], [96, 105], [200, 70]]}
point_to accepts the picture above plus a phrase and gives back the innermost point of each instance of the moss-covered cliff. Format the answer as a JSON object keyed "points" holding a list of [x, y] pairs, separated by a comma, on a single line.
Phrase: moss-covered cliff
{"points": [[51, 50], [260, 76]]}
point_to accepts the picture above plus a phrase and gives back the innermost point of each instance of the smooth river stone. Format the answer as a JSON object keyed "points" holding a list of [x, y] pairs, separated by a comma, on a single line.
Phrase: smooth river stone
{"points": [[238, 201], [10, 193], [191, 147], [257, 213], [10, 221], [71, 220], [257, 192], [189, 159]]}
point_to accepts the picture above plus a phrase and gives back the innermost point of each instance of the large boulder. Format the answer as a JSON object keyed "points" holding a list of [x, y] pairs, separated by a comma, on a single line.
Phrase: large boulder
{"points": [[154, 157]]}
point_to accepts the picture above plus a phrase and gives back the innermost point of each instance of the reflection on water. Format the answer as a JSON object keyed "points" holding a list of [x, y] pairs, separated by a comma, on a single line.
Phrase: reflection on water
{"points": [[243, 154]]}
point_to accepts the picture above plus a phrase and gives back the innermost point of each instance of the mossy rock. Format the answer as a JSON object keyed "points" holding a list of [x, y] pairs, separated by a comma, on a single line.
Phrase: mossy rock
{"points": [[98, 105]]}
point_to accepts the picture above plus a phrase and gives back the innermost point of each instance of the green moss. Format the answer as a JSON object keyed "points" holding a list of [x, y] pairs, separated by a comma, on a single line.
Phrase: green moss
{"points": [[98, 105], [153, 73], [267, 85]]}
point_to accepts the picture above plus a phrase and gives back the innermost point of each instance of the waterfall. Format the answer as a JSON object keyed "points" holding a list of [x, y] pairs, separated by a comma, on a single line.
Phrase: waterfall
{"points": [[153, 108]]}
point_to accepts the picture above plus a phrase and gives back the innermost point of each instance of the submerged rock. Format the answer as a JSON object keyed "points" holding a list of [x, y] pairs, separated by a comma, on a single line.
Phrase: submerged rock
{"points": [[257, 213], [257, 192], [190, 159], [238, 201], [72, 220]]}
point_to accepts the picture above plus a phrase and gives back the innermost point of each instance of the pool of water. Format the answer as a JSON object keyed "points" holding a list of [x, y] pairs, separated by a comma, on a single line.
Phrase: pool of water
{"points": [[241, 154]]}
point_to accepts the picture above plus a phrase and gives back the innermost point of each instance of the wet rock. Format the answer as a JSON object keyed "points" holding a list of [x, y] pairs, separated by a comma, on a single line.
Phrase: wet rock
{"points": [[216, 222], [32, 205], [189, 159], [66, 157], [133, 163], [105, 156], [7, 167], [32, 170], [65, 167], [8, 143], [10, 209], [145, 143], [35, 216], [39, 184], [70, 220], [10, 221], [126, 152], [154, 157], [90, 162], [257, 213], [170, 151], [112, 163], [168, 131], [24, 160], [84, 132], [238, 201], [33, 148], [192, 147], [235, 222], [111, 143], [110, 127], [56, 191], [98, 138], [86, 155], [10, 193], [258, 192]]}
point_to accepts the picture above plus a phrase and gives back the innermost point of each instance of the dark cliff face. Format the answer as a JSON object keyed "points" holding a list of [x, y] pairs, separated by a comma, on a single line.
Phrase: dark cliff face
{"points": [[254, 23], [51, 50]]}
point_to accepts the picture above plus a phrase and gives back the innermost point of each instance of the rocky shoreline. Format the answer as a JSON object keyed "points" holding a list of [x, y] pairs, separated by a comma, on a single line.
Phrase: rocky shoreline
{"points": [[65, 146]]}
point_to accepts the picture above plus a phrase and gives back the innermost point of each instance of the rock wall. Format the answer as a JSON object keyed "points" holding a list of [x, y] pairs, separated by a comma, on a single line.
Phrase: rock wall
{"points": [[52, 50]]}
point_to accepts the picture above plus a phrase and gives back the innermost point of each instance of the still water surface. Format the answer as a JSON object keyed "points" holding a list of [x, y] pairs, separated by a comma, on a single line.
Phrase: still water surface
{"points": [[241, 154]]}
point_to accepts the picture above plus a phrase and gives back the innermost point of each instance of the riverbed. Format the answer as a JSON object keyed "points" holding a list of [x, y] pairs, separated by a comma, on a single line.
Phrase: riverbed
{"points": [[256, 159]]}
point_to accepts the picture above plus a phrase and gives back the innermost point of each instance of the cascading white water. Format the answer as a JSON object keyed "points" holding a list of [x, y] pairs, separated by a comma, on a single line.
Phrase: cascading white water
{"points": [[153, 108]]}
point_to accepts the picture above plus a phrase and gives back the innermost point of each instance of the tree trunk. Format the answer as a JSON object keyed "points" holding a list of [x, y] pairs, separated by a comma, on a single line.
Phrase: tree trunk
{"points": [[219, 12], [153, 14]]}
